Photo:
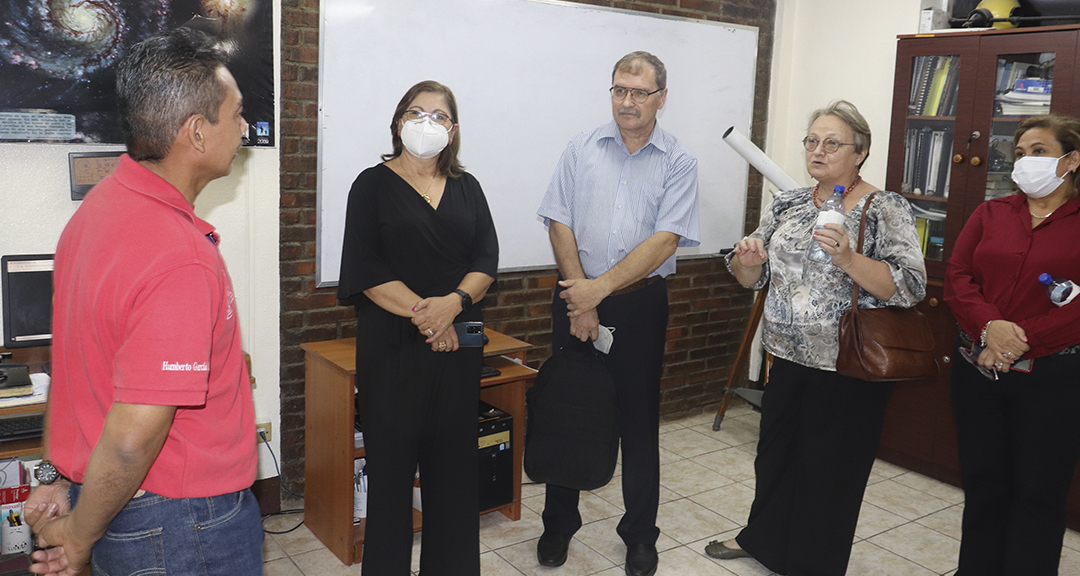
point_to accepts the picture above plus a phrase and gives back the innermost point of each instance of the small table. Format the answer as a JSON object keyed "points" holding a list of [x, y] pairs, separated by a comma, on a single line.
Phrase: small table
{"points": [[330, 387]]}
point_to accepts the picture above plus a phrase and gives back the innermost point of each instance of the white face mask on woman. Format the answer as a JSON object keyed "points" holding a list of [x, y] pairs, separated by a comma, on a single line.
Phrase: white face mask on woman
{"points": [[424, 138], [1037, 175]]}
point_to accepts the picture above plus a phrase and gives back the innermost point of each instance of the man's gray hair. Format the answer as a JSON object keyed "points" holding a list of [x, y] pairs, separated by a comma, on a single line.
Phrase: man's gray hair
{"points": [[632, 64]]}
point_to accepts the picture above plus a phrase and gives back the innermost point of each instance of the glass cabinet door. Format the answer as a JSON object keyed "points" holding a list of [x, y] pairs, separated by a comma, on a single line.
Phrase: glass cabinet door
{"points": [[1023, 88], [928, 143]]}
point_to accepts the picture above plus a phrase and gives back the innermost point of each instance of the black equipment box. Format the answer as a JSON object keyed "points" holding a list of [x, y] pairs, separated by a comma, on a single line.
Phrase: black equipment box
{"points": [[496, 457]]}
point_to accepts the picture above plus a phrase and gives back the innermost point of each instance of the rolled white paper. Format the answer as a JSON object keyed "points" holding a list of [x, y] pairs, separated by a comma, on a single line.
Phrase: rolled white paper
{"points": [[769, 169]]}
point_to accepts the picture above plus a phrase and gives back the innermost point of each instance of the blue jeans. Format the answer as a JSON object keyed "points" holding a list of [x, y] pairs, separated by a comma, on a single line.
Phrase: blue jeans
{"points": [[219, 535]]}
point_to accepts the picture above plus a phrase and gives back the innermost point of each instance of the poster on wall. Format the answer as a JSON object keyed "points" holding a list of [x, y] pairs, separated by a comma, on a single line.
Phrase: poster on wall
{"points": [[58, 58]]}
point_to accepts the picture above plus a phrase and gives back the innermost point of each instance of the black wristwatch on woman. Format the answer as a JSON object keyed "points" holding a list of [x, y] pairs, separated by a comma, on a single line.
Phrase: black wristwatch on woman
{"points": [[466, 299]]}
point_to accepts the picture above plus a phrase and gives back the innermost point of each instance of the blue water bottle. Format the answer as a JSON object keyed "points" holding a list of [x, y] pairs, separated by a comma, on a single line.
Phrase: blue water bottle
{"points": [[1060, 291]]}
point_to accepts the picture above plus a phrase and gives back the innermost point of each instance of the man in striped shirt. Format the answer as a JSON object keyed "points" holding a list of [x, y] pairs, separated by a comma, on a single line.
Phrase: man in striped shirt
{"points": [[622, 199]]}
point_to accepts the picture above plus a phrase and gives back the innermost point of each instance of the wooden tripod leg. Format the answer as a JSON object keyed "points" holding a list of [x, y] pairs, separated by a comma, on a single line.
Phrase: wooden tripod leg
{"points": [[742, 356]]}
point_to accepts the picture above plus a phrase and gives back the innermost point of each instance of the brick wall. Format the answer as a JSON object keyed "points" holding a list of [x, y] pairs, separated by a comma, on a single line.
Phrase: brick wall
{"points": [[708, 309]]}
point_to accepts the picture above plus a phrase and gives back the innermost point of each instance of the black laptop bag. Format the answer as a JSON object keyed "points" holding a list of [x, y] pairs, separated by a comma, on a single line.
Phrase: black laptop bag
{"points": [[572, 436]]}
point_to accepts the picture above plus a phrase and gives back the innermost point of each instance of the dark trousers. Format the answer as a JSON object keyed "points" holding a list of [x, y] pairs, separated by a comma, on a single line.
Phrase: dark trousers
{"points": [[420, 407], [819, 436], [636, 363], [1019, 441]]}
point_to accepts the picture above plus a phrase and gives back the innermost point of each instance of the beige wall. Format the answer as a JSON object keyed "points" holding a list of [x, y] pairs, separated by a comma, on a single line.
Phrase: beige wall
{"points": [[35, 204], [830, 49]]}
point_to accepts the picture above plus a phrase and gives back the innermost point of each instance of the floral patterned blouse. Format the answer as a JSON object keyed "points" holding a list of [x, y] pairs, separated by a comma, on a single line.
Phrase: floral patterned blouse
{"points": [[806, 298]]}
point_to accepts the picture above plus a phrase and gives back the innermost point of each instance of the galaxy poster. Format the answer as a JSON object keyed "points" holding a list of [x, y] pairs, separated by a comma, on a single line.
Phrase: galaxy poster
{"points": [[58, 58]]}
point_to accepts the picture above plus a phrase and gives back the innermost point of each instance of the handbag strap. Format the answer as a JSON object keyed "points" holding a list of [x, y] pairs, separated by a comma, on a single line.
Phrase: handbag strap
{"points": [[862, 227]]}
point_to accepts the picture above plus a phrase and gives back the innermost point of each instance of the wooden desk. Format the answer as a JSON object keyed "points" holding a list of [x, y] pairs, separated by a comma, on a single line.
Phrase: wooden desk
{"points": [[330, 386], [34, 358]]}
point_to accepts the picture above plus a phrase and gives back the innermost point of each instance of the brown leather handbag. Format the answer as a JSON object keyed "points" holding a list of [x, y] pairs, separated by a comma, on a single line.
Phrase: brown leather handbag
{"points": [[884, 344]]}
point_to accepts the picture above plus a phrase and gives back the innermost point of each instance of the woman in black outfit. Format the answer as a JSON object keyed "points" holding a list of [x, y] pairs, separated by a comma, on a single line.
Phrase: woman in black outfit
{"points": [[420, 248]]}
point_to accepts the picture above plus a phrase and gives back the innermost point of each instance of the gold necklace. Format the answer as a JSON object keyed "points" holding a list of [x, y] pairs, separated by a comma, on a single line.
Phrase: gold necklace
{"points": [[424, 194]]}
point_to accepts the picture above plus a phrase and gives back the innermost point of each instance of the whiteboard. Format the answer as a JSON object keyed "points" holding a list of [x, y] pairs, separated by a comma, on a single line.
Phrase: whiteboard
{"points": [[528, 75]]}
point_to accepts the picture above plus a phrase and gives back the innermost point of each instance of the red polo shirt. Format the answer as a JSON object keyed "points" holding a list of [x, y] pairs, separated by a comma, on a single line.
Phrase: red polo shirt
{"points": [[994, 269], [144, 313]]}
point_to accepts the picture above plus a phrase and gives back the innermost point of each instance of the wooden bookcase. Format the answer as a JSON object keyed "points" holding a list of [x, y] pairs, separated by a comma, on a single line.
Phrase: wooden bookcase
{"points": [[330, 387], [975, 160]]}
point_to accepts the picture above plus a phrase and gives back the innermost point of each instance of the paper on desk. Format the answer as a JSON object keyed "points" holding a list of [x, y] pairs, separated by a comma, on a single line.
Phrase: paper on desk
{"points": [[40, 381]]}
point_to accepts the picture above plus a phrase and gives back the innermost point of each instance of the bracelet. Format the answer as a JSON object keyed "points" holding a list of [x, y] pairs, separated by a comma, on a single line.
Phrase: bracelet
{"points": [[982, 336]]}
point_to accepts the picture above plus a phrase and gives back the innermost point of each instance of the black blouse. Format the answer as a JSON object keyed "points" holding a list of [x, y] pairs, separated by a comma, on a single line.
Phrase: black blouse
{"points": [[392, 233]]}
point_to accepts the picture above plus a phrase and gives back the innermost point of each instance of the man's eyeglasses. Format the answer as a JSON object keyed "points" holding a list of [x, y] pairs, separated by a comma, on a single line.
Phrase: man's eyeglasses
{"points": [[831, 144], [436, 117], [640, 95]]}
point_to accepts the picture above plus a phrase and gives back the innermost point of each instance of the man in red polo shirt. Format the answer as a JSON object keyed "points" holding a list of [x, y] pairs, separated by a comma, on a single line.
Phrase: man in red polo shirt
{"points": [[150, 448]]}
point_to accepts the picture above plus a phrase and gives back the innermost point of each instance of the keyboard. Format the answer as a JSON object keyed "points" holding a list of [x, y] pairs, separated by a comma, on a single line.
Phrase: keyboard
{"points": [[22, 427]]}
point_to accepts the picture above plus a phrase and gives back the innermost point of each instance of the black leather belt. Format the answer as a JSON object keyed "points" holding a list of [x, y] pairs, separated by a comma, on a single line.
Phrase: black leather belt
{"points": [[638, 285]]}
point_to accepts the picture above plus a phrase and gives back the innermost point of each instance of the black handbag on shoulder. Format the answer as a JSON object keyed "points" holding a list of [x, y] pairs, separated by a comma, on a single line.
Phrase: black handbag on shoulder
{"points": [[571, 435]]}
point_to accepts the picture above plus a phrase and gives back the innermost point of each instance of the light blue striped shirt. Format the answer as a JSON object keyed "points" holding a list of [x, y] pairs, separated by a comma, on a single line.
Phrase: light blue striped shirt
{"points": [[614, 200]]}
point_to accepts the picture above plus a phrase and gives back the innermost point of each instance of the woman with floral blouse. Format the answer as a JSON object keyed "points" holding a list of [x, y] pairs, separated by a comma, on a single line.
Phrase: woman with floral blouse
{"points": [[820, 430]]}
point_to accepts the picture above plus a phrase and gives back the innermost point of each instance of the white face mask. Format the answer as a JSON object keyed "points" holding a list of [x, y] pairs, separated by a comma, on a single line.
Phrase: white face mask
{"points": [[424, 138], [1037, 175], [605, 339]]}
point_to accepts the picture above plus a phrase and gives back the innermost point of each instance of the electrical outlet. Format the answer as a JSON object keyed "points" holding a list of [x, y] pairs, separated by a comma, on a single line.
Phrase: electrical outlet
{"points": [[265, 428]]}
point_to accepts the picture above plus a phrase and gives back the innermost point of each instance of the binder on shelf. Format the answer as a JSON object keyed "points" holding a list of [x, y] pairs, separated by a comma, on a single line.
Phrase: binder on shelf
{"points": [[926, 73], [921, 229], [933, 163], [933, 99], [951, 88], [922, 153]]}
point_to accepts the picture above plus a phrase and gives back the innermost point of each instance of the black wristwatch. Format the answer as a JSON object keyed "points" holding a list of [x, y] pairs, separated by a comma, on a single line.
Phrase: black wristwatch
{"points": [[466, 300], [46, 473]]}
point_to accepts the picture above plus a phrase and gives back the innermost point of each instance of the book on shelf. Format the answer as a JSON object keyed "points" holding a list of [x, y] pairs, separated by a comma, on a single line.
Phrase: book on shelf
{"points": [[1024, 109], [1034, 86]]}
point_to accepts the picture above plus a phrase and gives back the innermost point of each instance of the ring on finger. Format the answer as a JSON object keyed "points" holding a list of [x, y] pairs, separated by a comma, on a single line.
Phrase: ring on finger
{"points": [[442, 345], [998, 365], [837, 244], [430, 332]]}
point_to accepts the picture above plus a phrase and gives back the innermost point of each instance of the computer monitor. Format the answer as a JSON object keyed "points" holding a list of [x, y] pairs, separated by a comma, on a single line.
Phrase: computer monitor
{"points": [[27, 285]]}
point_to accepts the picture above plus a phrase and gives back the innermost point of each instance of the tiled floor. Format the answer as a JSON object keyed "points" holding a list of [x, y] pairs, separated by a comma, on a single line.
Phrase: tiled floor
{"points": [[909, 525]]}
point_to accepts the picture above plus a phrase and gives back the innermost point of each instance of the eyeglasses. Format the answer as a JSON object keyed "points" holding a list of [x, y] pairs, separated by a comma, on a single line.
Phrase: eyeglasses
{"points": [[436, 117], [972, 356], [640, 95], [831, 144]]}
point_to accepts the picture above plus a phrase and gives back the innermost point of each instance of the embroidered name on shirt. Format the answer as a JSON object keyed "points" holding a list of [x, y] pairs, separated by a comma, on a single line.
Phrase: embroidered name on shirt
{"points": [[189, 367]]}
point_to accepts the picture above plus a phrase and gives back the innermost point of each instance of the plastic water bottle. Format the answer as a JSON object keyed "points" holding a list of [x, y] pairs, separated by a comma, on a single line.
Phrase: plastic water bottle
{"points": [[832, 211], [1060, 291]]}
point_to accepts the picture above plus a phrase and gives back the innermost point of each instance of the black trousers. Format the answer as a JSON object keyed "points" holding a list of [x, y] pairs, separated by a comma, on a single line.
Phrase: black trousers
{"points": [[636, 364], [420, 407], [819, 436], [1019, 441]]}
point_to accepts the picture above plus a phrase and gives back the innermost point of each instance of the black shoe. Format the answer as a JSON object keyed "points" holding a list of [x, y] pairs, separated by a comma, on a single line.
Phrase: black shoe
{"points": [[716, 549], [641, 560], [552, 547]]}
